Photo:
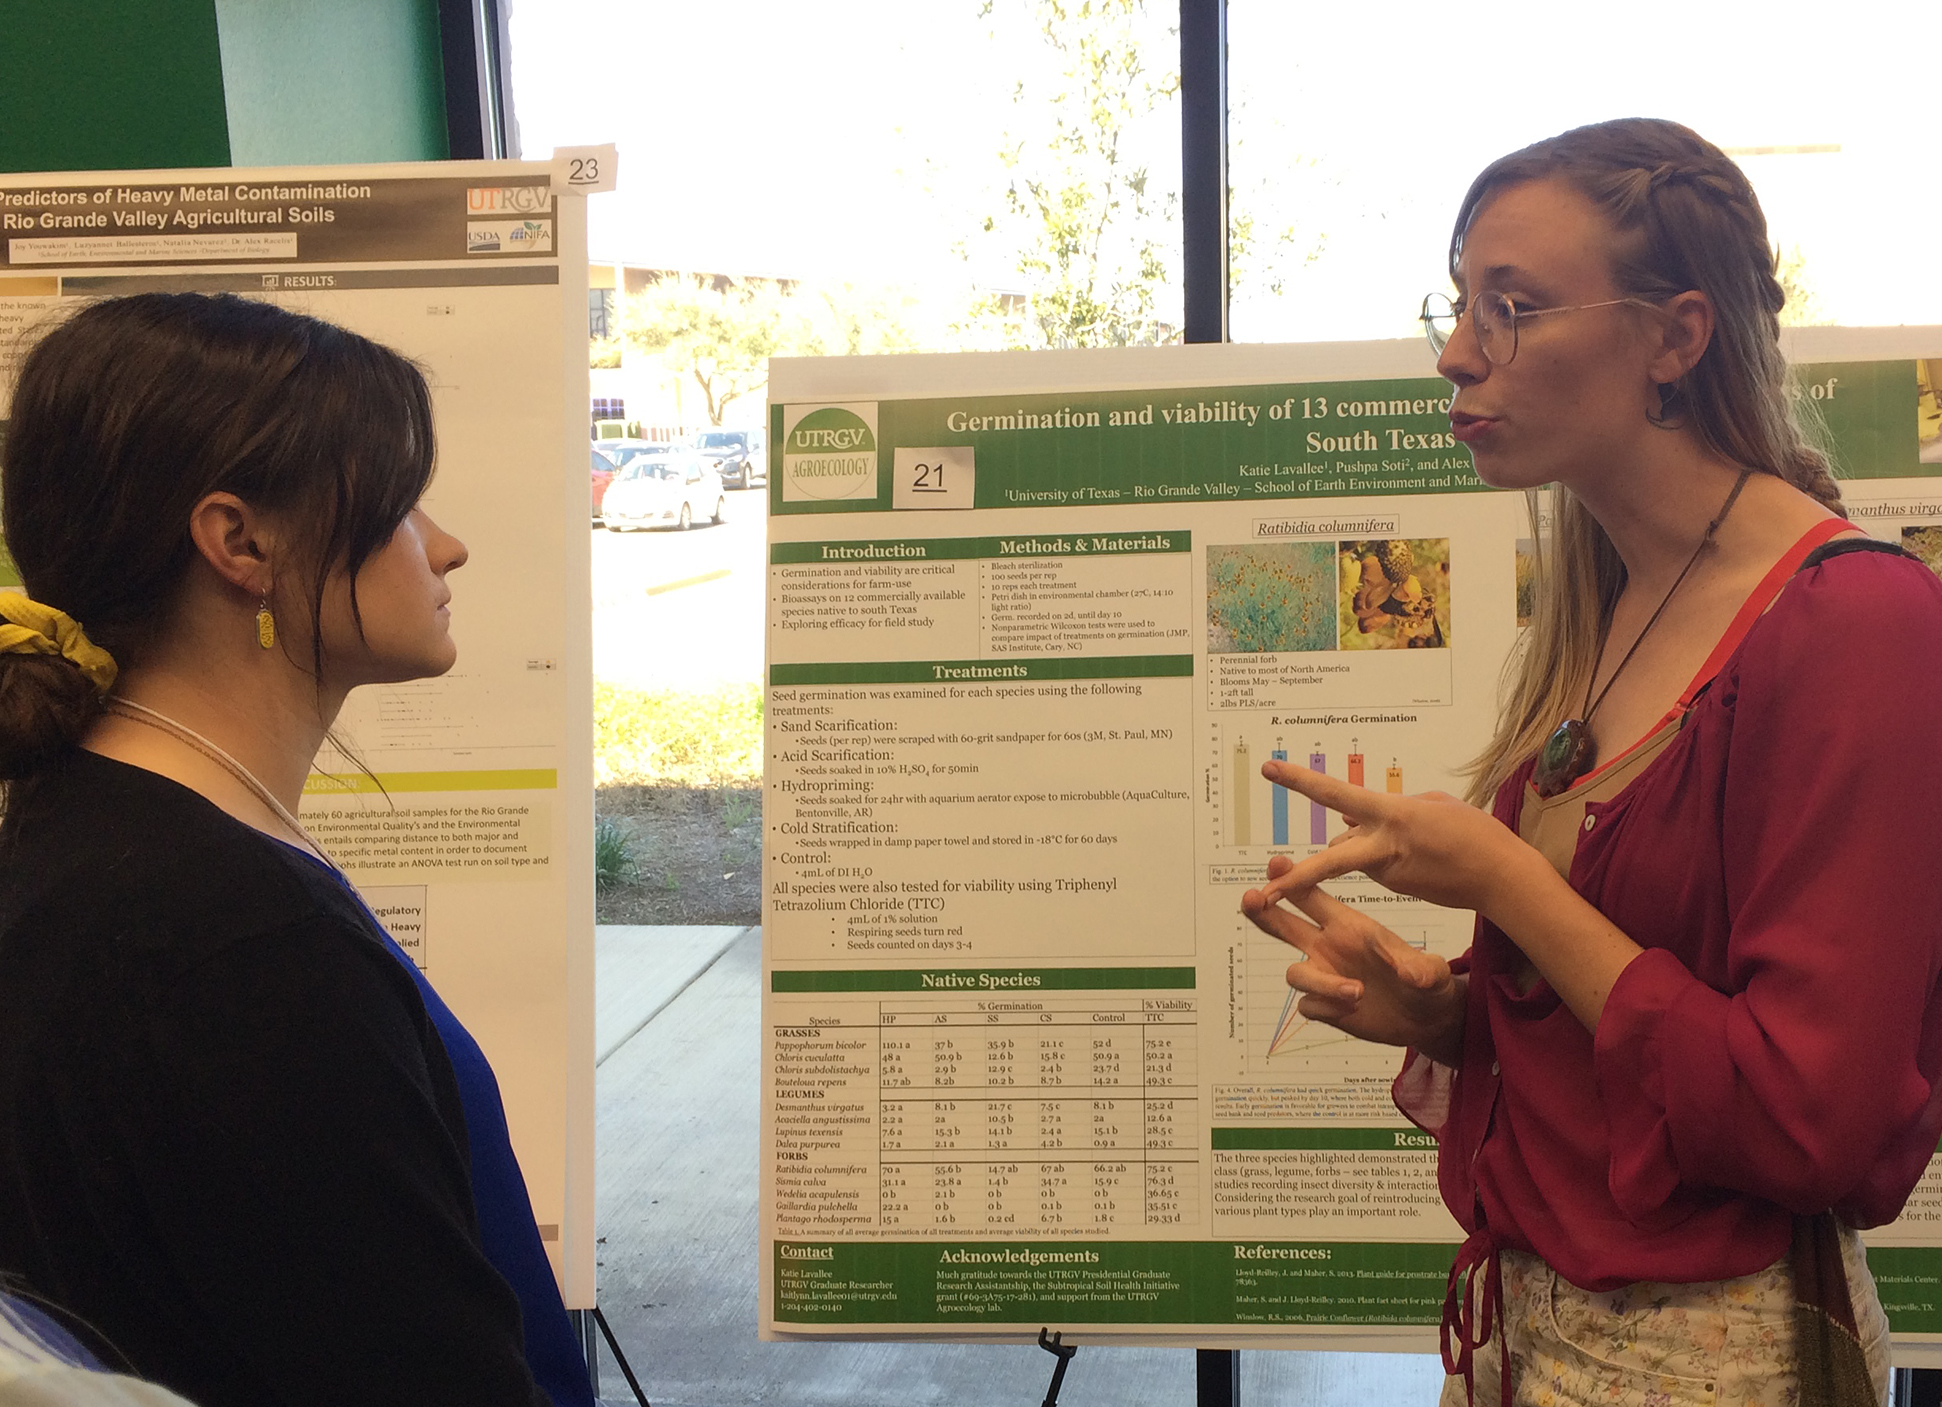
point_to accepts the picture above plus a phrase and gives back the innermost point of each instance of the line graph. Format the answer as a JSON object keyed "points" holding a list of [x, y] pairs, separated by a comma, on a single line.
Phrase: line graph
{"points": [[1278, 1041], [1293, 1034]]}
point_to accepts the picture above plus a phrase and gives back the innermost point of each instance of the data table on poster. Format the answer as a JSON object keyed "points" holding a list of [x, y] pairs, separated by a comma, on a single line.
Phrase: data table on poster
{"points": [[912, 1115]]}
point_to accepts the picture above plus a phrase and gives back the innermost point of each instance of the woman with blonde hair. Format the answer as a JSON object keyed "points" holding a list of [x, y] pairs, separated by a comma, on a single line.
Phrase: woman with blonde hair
{"points": [[1696, 1041]]}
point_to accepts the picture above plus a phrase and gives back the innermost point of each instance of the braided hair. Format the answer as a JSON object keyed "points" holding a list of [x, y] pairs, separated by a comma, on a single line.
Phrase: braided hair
{"points": [[1683, 217], [1686, 217]]}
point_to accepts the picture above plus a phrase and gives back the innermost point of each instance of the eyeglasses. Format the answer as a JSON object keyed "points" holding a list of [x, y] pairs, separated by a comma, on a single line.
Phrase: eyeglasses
{"points": [[1493, 318]]}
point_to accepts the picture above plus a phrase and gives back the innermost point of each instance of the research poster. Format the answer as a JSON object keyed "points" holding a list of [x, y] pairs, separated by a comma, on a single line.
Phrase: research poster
{"points": [[1034, 623], [467, 824]]}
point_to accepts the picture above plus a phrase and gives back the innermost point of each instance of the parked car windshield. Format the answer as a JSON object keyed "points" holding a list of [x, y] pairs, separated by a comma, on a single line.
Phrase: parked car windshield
{"points": [[724, 439], [625, 452]]}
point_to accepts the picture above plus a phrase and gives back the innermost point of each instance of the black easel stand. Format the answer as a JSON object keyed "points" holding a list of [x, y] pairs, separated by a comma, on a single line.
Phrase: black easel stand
{"points": [[589, 1338], [1217, 1377], [1058, 1350], [1917, 1387], [589, 1319]]}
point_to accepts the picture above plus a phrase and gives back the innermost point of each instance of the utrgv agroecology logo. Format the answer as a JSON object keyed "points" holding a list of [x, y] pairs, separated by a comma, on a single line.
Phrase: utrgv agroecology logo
{"points": [[829, 452]]}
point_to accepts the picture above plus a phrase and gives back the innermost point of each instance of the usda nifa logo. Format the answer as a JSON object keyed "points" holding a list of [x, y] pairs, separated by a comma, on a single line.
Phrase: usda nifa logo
{"points": [[829, 452]]}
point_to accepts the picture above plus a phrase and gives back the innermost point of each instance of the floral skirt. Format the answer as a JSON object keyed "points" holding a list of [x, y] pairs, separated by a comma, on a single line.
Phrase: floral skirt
{"points": [[1724, 1342]]}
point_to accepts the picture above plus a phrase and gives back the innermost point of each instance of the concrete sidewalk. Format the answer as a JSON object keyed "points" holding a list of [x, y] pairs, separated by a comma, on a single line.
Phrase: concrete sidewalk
{"points": [[678, 1035]]}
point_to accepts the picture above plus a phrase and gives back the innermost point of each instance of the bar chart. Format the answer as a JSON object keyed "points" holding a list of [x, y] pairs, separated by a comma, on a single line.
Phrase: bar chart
{"points": [[1259, 812]]}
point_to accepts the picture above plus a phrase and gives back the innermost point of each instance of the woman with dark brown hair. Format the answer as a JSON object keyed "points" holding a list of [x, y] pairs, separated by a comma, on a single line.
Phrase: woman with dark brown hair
{"points": [[240, 1137], [1696, 1041]]}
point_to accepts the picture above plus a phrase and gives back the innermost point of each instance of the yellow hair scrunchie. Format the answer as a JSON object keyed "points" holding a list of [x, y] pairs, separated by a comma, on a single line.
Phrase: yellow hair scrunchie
{"points": [[34, 629]]}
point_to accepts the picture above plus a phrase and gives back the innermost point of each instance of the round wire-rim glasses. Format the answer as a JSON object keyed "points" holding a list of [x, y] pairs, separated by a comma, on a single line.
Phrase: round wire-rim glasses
{"points": [[1493, 318]]}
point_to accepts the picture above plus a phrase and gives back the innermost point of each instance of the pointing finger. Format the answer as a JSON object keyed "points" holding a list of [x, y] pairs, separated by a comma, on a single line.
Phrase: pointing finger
{"points": [[1357, 804], [1321, 906], [1279, 923], [1332, 863]]}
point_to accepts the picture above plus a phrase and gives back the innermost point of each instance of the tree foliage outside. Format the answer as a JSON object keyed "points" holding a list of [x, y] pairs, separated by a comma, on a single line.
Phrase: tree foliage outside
{"points": [[1090, 231], [1265, 248], [850, 320], [718, 337], [1086, 215], [718, 334], [1803, 307]]}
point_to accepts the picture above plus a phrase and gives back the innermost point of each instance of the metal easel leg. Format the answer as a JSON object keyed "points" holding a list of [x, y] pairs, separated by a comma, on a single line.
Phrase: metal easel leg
{"points": [[626, 1370], [1917, 1387], [1217, 1377], [589, 1344]]}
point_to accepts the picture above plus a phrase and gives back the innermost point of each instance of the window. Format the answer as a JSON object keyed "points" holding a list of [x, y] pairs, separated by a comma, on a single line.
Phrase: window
{"points": [[1353, 133]]}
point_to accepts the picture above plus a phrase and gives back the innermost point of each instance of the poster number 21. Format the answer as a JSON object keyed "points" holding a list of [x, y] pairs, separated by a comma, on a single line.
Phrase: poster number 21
{"points": [[943, 477]]}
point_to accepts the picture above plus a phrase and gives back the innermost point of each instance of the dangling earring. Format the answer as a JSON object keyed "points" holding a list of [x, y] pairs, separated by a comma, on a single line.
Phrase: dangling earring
{"points": [[265, 624], [1670, 408]]}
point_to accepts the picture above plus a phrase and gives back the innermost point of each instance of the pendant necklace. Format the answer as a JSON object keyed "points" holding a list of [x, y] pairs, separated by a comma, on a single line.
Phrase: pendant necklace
{"points": [[1569, 752], [143, 714]]}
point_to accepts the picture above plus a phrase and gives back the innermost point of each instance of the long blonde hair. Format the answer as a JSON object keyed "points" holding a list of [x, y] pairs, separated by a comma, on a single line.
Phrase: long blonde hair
{"points": [[1685, 218]]}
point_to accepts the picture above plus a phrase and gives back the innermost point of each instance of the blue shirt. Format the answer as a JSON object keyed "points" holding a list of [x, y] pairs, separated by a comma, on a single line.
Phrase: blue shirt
{"points": [[29, 1335], [507, 1231]]}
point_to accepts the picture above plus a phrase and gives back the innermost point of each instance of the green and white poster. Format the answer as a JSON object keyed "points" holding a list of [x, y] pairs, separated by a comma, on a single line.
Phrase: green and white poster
{"points": [[1034, 622]]}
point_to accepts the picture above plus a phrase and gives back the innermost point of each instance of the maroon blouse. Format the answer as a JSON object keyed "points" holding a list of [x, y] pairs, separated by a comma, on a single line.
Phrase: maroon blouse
{"points": [[1776, 1047]]}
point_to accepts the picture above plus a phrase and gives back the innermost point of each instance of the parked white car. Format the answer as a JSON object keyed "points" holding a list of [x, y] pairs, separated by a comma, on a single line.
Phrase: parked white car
{"points": [[623, 452], [666, 489]]}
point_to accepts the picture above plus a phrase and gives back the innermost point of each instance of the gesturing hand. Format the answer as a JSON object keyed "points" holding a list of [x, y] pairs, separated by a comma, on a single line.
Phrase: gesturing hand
{"points": [[1430, 847], [1356, 974]]}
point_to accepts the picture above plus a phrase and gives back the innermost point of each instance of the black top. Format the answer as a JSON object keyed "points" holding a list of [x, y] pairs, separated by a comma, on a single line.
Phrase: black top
{"points": [[230, 1138], [1841, 546]]}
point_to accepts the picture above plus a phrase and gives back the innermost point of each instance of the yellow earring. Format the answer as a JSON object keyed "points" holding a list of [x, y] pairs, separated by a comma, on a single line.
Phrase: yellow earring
{"points": [[265, 625]]}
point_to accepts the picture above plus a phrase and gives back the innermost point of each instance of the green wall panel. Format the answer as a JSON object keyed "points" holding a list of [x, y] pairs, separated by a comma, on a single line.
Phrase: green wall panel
{"points": [[110, 84], [320, 81], [128, 84]]}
